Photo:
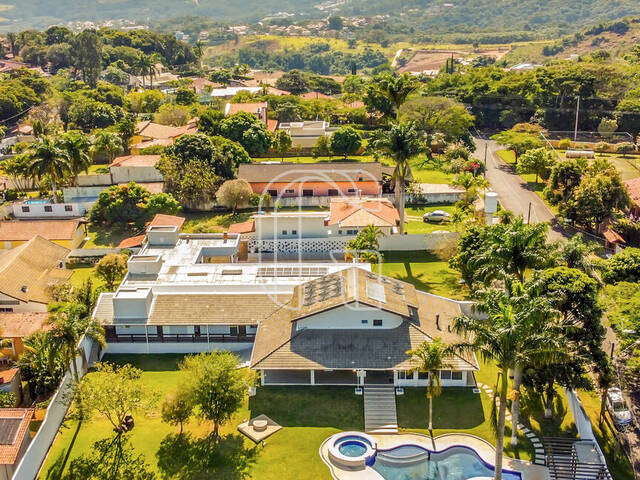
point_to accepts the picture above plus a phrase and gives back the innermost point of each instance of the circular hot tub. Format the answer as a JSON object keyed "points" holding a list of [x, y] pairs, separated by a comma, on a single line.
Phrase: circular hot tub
{"points": [[352, 449]]}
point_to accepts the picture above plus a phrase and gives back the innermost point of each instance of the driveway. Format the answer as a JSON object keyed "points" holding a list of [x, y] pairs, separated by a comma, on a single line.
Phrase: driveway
{"points": [[513, 192]]}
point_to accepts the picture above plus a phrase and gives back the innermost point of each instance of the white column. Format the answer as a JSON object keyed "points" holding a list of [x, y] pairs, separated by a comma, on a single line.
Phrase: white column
{"points": [[313, 377], [415, 377], [146, 336], [262, 377], [395, 378]]}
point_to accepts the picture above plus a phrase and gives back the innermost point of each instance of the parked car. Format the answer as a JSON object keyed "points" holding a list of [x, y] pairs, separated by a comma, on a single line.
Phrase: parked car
{"points": [[437, 216], [618, 408]]}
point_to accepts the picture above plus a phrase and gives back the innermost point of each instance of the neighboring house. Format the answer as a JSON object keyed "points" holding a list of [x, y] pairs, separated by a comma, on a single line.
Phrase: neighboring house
{"points": [[161, 77], [350, 216], [27, 274], [230, 92], [315, 96], [45, 209], [150, 134], [67, 233], [16, 326], [633, 188], [305, 134], [260, 110], [159, 220], [14, 438], [312, 179], [10, 382], [354, 327], [135, 168]]}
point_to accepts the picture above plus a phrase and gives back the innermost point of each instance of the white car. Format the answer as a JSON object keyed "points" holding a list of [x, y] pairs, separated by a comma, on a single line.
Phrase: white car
{"points": [[437, 216], [618, 408]]}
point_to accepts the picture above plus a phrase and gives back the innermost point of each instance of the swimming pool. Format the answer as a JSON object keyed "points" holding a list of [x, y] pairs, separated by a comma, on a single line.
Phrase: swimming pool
{"points": [[36, 201], [412, 462]]}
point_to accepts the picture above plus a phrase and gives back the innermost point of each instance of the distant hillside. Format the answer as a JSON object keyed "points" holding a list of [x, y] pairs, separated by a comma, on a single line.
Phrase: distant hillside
{"points": [[550, 18]]}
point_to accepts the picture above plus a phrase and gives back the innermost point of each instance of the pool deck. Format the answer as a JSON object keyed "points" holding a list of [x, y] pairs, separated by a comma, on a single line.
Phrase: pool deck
{"points": [[485, 450]]}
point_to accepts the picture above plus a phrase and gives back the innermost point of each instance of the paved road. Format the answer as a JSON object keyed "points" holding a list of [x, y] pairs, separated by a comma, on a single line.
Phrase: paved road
{"points": [[513, 192]]}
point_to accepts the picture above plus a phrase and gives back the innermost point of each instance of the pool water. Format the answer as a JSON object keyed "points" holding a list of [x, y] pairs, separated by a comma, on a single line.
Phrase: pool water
{"points": [[352, 449], [414, 463], [35, 202]]}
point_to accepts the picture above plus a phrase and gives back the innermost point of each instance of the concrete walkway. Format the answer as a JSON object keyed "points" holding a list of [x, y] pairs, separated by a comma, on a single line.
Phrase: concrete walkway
{"points": [[380, 409]]}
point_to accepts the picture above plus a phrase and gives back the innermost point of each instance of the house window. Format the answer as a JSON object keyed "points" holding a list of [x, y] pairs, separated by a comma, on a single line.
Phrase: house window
{"points": [[233, 330], [284, 232], [333, 192], [290, 190], [377, 323], [307, 193], [423, 375], [339, 232], [68, 208], [351, 190], [48, 208], [364, 322], [294, 232], [25, 209], [6, 309], [9, 302], [402, 375], [445, 374], [352, 232], [456, 375], [273, 193]]}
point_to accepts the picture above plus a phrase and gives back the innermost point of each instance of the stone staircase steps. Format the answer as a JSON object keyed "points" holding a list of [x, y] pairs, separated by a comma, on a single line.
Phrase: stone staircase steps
{"points": [[380, 409]]}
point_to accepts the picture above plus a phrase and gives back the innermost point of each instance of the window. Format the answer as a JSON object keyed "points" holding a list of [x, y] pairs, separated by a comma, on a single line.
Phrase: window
{"points": [[307, 193], [68, 208], [445, 374], [456, 375], [352, 232], [284, 232], [25, 209], [6, 309], [364, 322], [273, 193], [48, 208], [377, 323], [423, 375], [333, 192], [402, 375], [351, 190], [294, 232], [234, 330], [290, 190], [339, 232]]}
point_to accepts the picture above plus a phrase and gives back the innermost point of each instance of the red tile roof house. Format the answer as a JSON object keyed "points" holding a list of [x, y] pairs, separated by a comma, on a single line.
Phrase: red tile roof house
{"points": [[259, 109], [633, 188], [160, 220], [135, 168], [14, 438], [286, 180]]}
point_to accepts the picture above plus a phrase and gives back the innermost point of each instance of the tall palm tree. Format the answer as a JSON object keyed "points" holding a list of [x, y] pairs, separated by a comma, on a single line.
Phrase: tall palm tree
{"points": [[106, 143], [431, 359], [511, 333], [76, 144], [397, 88], [49, 158], [401, 142], [147, 67]]}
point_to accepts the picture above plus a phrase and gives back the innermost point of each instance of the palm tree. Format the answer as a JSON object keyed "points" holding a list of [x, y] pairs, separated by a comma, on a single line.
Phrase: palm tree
{"points": [[106, 143], [76, 145], [430, 357], [147, 66], [577, 253], [397, 88], [12, 38], [401, 142], [48, 158], [39, 365], [366, 244]]}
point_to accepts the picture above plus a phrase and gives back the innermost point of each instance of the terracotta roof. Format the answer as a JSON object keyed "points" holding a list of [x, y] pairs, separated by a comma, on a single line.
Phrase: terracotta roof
{"points": [[136, 161], [159, 142], [23, 130], [315, 96], [272, 124], [9, 453], [356, 104], [7, 376], [200, 82], [233, 108], [612, 236], [277, 91], [279, 345], [152, 187], [28, 271], [157, 131], [23, 324], [23, 230], [162, 220], [358, 213], [244, 227], [132, 242], [310, 172], [633, 187]]}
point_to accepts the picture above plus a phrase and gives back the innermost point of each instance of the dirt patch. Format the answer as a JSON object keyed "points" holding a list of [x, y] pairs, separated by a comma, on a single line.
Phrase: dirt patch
{"points": [[434, 59]]}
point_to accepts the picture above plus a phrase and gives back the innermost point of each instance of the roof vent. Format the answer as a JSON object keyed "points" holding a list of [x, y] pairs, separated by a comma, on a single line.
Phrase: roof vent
{"points": [[24, 289]]}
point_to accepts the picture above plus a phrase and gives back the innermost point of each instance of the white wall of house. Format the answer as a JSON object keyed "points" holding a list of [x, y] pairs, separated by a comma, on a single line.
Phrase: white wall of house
{"points": [[53, 210], [176, 347], [351, 316], [447, 378], [135, 174], [7, 302], [94, 180], [269, 227]]}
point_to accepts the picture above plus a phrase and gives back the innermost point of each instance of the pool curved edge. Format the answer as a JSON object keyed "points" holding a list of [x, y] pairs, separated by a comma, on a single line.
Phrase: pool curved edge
{"points": [[337, 457]]}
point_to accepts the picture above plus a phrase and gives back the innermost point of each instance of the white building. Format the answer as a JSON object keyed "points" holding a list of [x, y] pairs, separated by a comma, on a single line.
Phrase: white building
{"points": [[305, 134]]}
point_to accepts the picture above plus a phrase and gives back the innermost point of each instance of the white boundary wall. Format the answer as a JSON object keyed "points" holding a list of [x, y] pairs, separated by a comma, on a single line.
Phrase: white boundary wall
{"points": [[33, 458]]}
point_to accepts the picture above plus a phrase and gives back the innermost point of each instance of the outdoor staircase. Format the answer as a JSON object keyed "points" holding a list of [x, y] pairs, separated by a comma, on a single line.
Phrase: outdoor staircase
{"points": [[380, 409]]}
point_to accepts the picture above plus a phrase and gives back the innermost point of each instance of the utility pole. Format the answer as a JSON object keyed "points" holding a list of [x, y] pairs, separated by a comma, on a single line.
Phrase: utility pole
{"points": [[529, 215], [575, 132]]}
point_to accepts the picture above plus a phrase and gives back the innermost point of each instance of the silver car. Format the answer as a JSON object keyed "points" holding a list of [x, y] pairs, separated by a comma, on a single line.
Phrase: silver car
{"points": [[618, 408], [437, 216]]}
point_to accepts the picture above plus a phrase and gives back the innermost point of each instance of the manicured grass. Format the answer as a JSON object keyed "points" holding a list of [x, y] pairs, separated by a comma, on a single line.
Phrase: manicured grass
{"points": [[429, 172], [417, 225], [425, 271], [97, 169], [207, 222], [82, 273], [106, 237]]}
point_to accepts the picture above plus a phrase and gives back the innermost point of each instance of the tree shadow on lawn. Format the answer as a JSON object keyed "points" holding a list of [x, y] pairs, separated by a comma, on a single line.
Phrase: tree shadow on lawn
{"points": [[457, 408], [532, 408], [56, 470], [317, 406], [110, 236], [147, 362], [183, 457]]}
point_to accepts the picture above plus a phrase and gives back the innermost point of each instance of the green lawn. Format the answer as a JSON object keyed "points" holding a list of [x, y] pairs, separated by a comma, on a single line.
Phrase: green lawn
{"points": [[323, 159], [82, 273], [106, 237], [207, 222], [425, 271], [429, 172], [417, 225]]}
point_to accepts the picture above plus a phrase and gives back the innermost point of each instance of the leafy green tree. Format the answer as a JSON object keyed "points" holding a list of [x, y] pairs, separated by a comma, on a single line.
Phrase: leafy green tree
{"points": [[114, 392], [89, 114], [396, 88], [49, 158], [624, 266], [580, 254], [248, 131], [147, 101], [108, 144], [172, 114], [625, 148], [294, 81], [209, 121], [518, 142], [76, 145], [121, 205], [281, 142], [126, 129], [431, 358], [87, 50], [177, 408], [607, 126], [17, 169], [538, 161], [8, 400], [335, 22], [470, 243], [41, 365], [233, 194], [217, 385], [322, 147], [186, 96], [366, 245], [162, 203], [564, 178], [345, 141], [433, 115]]}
